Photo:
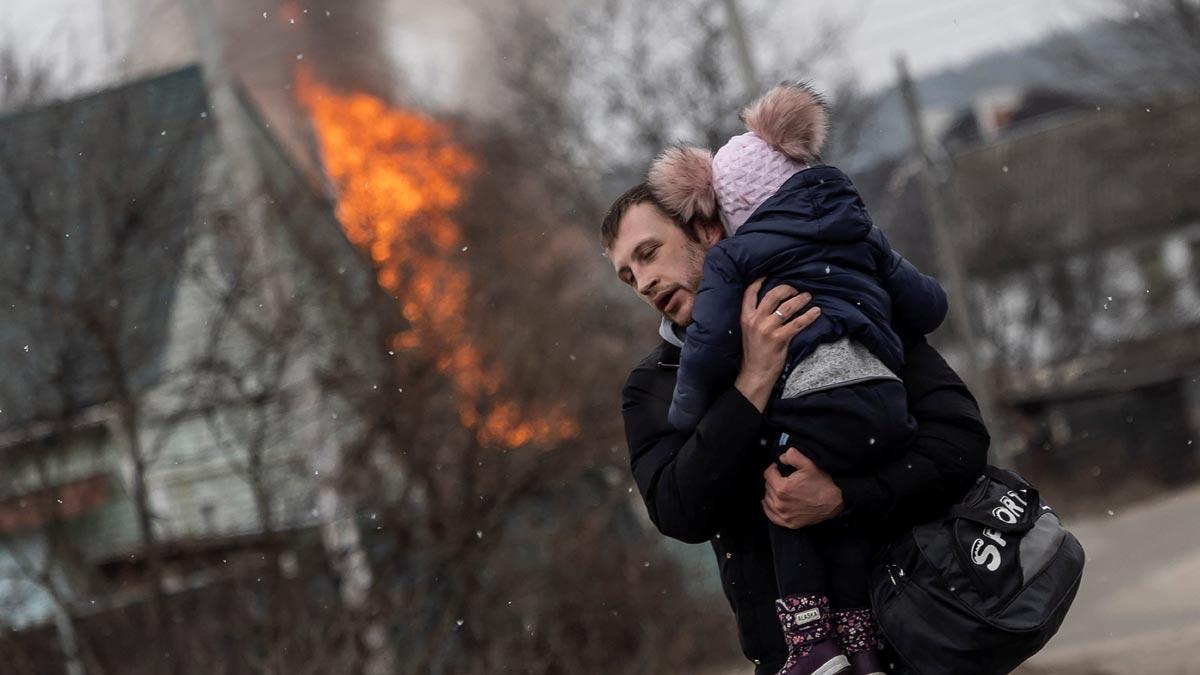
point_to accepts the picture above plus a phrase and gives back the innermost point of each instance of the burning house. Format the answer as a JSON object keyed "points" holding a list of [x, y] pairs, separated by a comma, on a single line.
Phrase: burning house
{"points": [[197, 330]]}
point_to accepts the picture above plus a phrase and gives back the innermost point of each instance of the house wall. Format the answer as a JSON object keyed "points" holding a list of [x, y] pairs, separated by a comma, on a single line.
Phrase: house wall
{"points": [[201, 484], [1120, 406], [198, 480], [1130, 291]]}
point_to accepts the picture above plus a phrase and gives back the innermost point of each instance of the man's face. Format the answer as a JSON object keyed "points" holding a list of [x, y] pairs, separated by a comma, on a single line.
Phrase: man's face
{"points": [[654, 257]]}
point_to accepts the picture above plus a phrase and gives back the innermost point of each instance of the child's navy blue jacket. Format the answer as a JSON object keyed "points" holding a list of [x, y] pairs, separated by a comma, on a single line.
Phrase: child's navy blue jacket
{"points": [[815, 235]]}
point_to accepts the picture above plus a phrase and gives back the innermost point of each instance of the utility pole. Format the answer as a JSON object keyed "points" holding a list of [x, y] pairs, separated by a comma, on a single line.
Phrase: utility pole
{"points": [[953, 278], [737, 29]]}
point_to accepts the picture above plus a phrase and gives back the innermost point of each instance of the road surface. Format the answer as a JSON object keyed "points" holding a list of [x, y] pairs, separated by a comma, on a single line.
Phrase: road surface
{"points": [[1138, 610]]}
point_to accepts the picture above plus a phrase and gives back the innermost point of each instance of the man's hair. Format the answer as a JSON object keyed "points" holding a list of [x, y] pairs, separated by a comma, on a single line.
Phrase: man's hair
{"points": [[638, 194]]}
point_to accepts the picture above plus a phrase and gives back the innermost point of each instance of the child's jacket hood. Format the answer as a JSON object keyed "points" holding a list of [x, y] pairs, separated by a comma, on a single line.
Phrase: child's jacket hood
{"points": [[819, 204]]}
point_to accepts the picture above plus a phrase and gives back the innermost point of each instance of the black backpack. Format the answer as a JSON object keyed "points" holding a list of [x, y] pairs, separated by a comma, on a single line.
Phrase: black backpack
{"points": [[981, 589]]}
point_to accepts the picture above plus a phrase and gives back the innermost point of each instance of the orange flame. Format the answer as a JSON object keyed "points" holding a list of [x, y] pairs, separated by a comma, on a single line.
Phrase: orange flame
{"points": [[399, 175]]}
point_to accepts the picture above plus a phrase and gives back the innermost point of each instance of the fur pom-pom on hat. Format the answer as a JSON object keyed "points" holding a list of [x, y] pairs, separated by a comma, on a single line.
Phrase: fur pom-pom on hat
{"points": [[682, 179], [793, 119]]}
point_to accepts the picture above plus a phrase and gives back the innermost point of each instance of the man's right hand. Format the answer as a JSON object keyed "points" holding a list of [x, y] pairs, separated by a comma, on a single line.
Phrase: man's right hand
{"points": [[805, 497], [766, 333]]}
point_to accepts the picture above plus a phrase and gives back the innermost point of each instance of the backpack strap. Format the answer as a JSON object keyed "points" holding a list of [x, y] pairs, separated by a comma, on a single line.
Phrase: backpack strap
{"points": [[1006, 477], [997, 516]]}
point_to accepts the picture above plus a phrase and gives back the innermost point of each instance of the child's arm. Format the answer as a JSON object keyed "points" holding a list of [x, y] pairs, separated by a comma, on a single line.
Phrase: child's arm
{"points": [[918, 302], [712, 351]]}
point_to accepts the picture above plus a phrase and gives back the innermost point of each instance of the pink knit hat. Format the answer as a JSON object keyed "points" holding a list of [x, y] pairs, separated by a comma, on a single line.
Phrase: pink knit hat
{"points": [[787, 129], [746, 171]]}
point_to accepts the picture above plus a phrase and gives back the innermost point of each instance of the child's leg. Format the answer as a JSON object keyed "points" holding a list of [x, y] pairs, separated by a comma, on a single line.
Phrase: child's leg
{"points": [[799, 566], [803, 605], [848, 556]]}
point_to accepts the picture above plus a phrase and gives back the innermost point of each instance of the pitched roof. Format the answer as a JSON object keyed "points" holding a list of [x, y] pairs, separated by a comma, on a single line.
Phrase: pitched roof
{"points": [[96, 197], [1106, 177]]}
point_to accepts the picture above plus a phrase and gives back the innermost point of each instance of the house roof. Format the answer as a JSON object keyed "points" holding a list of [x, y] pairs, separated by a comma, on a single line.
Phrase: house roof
{"points": [[96, 198], [1063, 178], [1107, 176]]}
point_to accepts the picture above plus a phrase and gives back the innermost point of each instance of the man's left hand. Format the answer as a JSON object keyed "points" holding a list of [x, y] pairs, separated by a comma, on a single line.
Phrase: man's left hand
{"points": [[806, 497]]}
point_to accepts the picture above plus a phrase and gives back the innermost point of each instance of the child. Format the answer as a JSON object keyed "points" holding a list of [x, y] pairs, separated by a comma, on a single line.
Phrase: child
{"points": [[838, 399]]}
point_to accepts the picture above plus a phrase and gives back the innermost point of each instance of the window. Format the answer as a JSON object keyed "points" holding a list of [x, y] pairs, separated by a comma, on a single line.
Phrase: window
{"points": [[1155, 276], [1194, 249]]}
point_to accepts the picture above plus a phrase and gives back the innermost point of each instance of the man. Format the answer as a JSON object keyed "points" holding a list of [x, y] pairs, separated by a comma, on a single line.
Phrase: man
{"points": [[709, 485]]}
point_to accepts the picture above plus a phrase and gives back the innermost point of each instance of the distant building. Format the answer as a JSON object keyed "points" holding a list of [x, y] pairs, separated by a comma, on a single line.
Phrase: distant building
{"points": [[1084, 238], [1078, 225]]}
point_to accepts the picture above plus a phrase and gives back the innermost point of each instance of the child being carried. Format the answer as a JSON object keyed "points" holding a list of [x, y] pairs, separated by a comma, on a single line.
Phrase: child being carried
{"points": [[838, 400]]}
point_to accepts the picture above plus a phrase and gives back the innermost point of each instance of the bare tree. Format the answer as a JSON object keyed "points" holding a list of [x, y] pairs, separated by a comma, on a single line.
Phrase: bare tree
{"points": [[94, 241], [1140, 49], [22, 84], [492, 401], [135, 315], [609, 85]]}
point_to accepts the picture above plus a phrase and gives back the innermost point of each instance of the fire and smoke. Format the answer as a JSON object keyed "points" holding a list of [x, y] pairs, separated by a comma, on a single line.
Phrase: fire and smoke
{"points": [[399, 177]]}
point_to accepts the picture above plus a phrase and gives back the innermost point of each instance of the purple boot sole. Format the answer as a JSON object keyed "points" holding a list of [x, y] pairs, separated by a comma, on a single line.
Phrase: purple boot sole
{"points": [[823, 658]]}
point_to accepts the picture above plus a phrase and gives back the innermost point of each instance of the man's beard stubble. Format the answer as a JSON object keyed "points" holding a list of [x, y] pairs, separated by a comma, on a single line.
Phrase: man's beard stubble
{"points": [[695, 260], [694, 257]]}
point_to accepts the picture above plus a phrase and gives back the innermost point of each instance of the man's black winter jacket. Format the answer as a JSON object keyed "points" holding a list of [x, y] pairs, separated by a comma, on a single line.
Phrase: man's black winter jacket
{"points": [[708, 485]]}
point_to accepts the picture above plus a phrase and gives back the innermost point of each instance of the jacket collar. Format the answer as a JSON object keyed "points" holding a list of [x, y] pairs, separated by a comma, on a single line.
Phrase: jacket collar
{"points": [[670, 332], [672, 335]]}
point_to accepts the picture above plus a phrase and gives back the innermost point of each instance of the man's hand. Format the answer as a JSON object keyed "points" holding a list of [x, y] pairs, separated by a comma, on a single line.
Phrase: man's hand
{"points": [[806, 497], [766, 332]]}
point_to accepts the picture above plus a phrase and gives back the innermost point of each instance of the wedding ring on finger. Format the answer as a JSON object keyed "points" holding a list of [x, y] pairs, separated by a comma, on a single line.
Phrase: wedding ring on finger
{"points": [[781, 315]]}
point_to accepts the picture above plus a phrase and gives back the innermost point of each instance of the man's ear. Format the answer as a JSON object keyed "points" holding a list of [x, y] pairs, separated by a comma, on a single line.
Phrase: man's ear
{"points": [[710, 231]]}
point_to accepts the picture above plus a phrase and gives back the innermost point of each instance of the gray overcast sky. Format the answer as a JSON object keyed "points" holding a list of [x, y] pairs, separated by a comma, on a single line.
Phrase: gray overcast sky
{"points": [[934, 34]]}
